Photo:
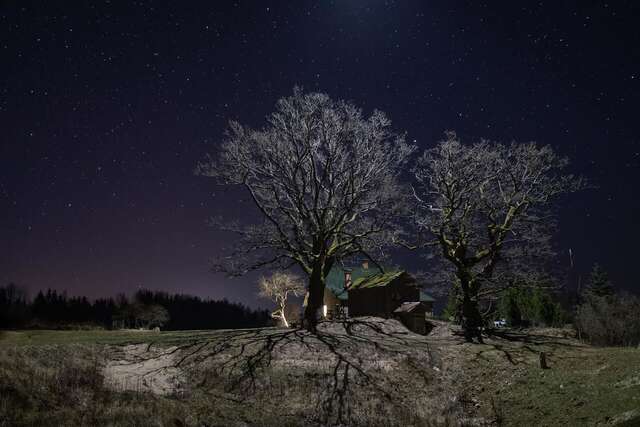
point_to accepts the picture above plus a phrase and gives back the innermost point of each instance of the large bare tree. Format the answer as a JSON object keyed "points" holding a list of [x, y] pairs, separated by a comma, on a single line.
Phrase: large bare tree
{"points": [[488, 207], [325, 181]]}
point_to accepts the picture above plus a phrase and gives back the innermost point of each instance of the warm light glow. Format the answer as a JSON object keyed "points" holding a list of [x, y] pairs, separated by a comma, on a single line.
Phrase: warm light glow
{"points": [[324, 310]]}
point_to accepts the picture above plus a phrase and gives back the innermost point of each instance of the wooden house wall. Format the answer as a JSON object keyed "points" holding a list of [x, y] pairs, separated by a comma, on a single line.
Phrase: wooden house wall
{"points": [[382, 301], [367, 302]]}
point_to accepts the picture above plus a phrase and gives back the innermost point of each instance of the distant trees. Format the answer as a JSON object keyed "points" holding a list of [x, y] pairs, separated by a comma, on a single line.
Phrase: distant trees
{"points": [[14, 309], [155, 316], [599, 284], [531, 307], [52, 309], [191, 312], [605, 317], [278, 287], [487, 207], [325, 181], [609, 320], [139, 315]]}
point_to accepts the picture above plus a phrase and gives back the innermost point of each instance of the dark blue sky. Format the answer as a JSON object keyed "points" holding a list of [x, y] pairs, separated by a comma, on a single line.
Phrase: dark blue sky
{"points": [[106, 107]]}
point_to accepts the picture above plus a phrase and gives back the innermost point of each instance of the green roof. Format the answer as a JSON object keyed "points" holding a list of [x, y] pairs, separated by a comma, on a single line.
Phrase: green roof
{"points": [[335, 278], [363, 278], [378, 280], [383, 279], [424, 297]]}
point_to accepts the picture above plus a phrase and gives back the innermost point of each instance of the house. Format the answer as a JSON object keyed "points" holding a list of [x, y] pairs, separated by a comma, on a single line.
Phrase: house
{"points": [[380, 294], [336, 291], [366, 290], [393, 294]]}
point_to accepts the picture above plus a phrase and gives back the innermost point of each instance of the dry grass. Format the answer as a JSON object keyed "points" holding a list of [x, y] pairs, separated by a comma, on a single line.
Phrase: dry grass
{"points": [[62, 386], [366, 372], [362, 373], [584, 386]]}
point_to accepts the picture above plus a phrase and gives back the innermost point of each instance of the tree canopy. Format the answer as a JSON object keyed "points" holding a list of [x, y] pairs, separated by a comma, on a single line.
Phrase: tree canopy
{"points": [[487, 207], [325, 181]]}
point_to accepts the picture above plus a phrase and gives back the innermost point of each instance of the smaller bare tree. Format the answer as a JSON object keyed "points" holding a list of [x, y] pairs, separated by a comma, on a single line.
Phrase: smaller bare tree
{"points": [[489, 209], [278, 287]]}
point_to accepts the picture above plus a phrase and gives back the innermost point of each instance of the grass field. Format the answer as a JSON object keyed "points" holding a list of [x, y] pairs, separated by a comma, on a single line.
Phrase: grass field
{"points": [[118, 337], [357, 373], [368, 372], [583, 386]]}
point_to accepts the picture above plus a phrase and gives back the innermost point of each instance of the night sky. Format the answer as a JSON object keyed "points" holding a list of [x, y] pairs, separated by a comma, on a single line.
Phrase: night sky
{"points": [[106, 107]]}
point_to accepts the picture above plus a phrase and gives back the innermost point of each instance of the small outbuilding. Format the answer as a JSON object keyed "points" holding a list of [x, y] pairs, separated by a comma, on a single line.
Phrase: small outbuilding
{"points": [[413, 315]]}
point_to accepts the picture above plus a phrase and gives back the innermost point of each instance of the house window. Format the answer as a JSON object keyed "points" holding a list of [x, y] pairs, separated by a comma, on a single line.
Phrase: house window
{"points": [[347, 279], [324, 310]]}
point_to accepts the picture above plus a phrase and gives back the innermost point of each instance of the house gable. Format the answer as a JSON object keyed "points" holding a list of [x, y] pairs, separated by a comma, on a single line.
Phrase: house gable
{"points": [[335, 280]]}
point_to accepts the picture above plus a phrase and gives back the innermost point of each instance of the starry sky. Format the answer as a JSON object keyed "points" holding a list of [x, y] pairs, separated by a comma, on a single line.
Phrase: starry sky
{"points": [[106, 107]]}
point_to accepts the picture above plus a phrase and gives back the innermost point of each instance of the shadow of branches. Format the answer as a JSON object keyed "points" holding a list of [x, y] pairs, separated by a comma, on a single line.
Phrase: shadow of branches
{"points": [[350, 372], [518, 347]]}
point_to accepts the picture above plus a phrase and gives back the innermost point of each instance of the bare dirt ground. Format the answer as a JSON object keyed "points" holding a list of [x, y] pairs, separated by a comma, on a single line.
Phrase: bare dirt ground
{"points": [[353, 371], [141, 368], [365, 371]]}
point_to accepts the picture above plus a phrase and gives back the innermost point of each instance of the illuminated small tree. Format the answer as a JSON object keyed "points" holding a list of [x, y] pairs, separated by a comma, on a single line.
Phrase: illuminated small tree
{"points": [[278, 287]]}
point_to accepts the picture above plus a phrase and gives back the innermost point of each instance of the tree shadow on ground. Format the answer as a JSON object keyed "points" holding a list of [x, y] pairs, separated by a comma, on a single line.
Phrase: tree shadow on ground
{"points": [[379, 362], [521, 347]]}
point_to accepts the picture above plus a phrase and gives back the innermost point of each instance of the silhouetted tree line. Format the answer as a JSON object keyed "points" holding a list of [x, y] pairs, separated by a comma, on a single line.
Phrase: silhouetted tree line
{"points": [[53, 309]]}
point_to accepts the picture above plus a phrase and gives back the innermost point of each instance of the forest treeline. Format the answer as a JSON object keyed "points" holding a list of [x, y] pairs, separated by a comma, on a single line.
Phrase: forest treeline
{"points": [[51, 309]]}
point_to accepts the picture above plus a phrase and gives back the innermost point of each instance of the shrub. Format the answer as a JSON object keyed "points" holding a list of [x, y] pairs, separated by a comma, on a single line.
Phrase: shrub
{"points": [[526, 307], [609, 320]]}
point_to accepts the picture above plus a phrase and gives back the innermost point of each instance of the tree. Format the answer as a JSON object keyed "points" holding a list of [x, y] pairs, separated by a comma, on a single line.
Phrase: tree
{"points": [[14, 309], [278, 287], [451, 310], [599, 284], [154, 315], [325, 182], [488, 207], [523, 306]]}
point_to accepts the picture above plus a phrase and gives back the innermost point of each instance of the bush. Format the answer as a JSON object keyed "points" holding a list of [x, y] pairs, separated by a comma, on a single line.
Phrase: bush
{"points": [[531, 307], [609, 320]]}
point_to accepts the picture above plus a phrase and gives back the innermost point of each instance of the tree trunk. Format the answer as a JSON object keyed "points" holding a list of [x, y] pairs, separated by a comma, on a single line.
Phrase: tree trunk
{"points": [[315, 299], [283, 316], [471, 317]]}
